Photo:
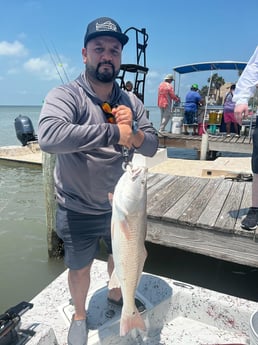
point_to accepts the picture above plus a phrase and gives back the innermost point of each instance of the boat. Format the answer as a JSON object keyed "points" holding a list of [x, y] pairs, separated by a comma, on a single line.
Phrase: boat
{"points": [[176, 313], [212, 109]]}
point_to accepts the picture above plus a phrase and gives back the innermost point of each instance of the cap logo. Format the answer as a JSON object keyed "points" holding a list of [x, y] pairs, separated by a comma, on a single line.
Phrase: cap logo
{"points": [[106, 26]]}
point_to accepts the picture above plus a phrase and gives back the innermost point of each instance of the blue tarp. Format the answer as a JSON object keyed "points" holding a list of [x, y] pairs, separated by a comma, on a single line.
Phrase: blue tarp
{"points": [[209, 66]]}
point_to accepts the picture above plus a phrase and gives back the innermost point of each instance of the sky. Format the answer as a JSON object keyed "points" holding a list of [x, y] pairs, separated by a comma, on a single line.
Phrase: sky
{"points": [[41, 41]]}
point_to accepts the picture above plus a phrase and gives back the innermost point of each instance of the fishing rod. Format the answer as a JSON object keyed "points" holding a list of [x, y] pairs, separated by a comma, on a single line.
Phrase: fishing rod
{"points": [[60, 62], [54, 61]]}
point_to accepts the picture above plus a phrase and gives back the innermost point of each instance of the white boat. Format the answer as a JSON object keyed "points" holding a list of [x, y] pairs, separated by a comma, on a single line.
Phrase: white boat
{"points": [[176, 313]]}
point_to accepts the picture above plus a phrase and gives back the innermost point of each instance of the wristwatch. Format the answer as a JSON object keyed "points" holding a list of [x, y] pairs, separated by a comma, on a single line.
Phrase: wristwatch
{"points": [[135, 127]]}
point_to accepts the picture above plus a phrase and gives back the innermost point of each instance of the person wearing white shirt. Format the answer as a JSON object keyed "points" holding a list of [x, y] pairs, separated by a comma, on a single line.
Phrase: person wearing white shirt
{"points": [[245, 89]]}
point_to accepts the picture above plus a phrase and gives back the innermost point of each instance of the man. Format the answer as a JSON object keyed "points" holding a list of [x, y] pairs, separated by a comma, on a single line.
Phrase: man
{"points": [[165, 96], [86, 123], [245, 88], [192, 101], [129, 86]]}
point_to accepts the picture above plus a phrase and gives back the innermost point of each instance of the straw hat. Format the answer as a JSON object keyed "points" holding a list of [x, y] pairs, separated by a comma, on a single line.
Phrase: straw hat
{"points": [[169, 77]]}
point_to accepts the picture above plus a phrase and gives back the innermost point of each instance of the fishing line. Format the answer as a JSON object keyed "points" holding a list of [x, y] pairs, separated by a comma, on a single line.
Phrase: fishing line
{"points": [[52, 59], [60, 62]]}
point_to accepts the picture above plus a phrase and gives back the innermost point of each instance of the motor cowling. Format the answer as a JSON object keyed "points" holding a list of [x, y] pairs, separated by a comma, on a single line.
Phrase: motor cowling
{"points": [[24, 129]]}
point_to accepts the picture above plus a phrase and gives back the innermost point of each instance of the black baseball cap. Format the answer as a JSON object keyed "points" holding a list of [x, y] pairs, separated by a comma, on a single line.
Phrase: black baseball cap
{"points": [[104, 26]]}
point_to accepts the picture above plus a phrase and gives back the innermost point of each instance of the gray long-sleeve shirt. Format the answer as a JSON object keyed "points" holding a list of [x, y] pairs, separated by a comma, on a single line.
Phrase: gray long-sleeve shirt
{"points": [[89, 160]]}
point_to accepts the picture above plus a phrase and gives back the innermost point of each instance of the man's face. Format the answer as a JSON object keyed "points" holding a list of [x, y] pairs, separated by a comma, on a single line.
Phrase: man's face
{"points": [[102, 56]]}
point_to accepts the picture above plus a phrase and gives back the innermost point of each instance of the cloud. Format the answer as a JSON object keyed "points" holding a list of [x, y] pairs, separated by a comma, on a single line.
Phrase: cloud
{"points": [[12, 49], [45, 69]]}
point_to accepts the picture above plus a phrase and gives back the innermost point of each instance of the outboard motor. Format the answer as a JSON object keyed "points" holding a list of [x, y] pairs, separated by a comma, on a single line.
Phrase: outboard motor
{"points": [[24, 129]]}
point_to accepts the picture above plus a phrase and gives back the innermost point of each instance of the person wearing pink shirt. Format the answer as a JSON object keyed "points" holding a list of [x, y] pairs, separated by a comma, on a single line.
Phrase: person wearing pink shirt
{"points": [[165, 97]]}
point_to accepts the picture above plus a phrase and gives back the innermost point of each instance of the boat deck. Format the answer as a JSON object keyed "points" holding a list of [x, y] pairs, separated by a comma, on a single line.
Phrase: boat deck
{"points": [[201, 215], [176, 313]]}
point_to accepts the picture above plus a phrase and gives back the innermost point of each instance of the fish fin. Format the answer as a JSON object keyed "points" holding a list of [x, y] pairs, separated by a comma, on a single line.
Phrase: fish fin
{"points": [[125, 227], [110, 198], [113, 282], [129, 322]]}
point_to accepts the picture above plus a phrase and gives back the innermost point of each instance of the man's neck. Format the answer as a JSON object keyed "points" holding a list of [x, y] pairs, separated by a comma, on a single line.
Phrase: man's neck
{"points": [[102, 90]]}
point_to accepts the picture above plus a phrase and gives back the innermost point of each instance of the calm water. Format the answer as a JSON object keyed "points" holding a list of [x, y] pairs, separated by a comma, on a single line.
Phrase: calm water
{"points": [[25, 268]]}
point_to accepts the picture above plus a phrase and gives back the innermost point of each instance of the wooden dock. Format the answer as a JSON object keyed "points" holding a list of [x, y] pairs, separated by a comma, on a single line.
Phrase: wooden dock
{"points": [[201, 216], [195, 214], [217, 143]]}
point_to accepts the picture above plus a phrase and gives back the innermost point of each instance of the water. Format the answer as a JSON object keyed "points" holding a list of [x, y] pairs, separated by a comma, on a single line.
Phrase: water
{"points": [[25, 268]]}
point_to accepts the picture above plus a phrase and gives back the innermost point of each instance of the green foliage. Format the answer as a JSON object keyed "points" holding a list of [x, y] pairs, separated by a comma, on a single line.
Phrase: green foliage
{"points": [[215, 82]]}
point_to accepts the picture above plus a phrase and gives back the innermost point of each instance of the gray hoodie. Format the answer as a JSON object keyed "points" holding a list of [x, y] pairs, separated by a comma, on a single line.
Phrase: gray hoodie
{"points": [[89, 160]]}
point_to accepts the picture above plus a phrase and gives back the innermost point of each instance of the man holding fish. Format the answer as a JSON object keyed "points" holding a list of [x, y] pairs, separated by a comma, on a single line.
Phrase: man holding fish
{"points": [[94, 127]]}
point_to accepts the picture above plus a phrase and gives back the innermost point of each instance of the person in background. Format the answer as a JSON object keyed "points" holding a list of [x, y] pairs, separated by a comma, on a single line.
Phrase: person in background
{"points": [[165, 97], [192, 101], [245, 89], [129, 86], [86, 123], [228, 111]]}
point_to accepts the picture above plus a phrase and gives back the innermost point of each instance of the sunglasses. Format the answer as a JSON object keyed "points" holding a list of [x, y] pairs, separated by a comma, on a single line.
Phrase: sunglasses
{"points": [[106, 107]]}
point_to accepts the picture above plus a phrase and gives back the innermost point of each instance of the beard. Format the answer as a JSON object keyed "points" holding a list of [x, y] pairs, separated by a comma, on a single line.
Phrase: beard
{"points": [[106, 75]]}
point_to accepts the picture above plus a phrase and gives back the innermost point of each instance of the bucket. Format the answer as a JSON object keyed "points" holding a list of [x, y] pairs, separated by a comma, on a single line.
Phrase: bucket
{"points": [[254, 328], [215, 118], [201, 129], [177, 123]]}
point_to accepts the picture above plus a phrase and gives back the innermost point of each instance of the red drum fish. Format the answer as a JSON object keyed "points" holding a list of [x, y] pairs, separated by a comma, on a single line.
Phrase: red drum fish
{"points": [[128, 231]]}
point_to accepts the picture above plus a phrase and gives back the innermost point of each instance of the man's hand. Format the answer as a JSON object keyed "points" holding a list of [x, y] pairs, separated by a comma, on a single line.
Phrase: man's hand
{"points": [[124, 121], [123, 115], [241, 110]]}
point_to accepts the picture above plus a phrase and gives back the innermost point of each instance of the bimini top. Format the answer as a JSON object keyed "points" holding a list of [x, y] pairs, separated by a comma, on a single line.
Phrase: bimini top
{"points": [[209, 66]]}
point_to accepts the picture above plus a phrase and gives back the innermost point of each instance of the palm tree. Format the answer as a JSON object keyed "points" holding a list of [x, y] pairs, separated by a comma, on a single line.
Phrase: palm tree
{"points": [[204, 91], [216, 82]]}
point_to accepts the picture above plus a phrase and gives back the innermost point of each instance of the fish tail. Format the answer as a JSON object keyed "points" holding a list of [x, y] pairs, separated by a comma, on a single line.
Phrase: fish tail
{"points": [[129, 322]]}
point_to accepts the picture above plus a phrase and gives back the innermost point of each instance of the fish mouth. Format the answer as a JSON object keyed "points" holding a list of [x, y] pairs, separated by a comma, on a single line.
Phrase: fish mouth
{"points": [[135, 171]]}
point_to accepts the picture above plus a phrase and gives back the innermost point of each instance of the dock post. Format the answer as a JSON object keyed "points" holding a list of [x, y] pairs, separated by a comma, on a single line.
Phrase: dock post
{"points": [[204, 146], [55, 245]]}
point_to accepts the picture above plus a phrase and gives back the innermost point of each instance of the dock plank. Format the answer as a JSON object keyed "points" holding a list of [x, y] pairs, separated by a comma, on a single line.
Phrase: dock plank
{"points": [[229, 211], [173, 195], [193, 212], [161, 181], [210, 214], [192, 190], [160, 201]]}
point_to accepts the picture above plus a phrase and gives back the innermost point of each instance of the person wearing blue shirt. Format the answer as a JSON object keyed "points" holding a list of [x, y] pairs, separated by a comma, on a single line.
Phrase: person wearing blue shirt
{"points": [[192, 101]]}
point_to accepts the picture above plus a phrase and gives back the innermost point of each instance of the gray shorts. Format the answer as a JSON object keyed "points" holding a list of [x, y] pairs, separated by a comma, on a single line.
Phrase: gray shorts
{"points": [[81, 234], [255, 152]]}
